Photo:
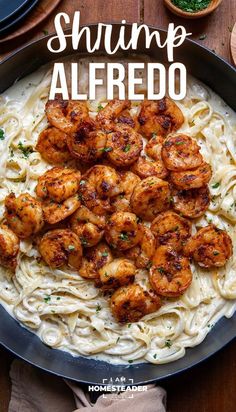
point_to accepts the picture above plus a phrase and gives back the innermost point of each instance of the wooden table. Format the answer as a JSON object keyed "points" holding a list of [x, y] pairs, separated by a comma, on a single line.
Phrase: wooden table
{"points": [[212, 385]]}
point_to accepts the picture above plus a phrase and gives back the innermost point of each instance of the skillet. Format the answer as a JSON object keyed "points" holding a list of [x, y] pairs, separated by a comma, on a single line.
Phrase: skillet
{"points": [[221, 77]]}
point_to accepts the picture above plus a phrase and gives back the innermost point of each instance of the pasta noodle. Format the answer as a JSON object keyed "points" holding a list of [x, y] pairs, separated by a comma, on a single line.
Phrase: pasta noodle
{"points": [[65, 310]]}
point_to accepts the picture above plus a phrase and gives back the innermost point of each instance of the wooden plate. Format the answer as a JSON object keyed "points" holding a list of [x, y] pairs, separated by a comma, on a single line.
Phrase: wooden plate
{"points": [[39, 13], [233, 44]]}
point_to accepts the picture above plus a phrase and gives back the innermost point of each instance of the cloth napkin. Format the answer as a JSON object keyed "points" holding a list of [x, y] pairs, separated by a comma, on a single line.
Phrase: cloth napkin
{"points": [[36, 391]]}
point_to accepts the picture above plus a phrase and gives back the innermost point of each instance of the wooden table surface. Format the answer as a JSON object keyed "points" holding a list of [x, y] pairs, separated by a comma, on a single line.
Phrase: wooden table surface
{"points": [[211, 386]]}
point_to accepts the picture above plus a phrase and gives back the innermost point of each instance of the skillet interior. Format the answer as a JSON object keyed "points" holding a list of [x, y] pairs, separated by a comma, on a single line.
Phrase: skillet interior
{"points": [[214, 72]]}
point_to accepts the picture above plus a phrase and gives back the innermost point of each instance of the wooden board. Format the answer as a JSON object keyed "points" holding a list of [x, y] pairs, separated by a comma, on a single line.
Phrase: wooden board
{"points": [[38, 14], [233, 44]]}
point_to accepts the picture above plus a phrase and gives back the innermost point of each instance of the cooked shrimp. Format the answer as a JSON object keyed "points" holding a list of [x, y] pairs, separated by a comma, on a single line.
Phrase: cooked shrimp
{"points": [[123, 146], [150, 197], [66, 115], [107, 116], [121, 203], [192, 179], [210, 247], [154, 146], [52, 145], [122, 230], [24, 214], [191, 203], [170, 274], [56, 212], [58, 184], [59, 247], [142, 253], [180, 152], [98, 185], [159, 117], [9, 247], [87, 144], [171, 229], [130, 303], [88, 226], [145, 167], [93, 260], [119, 272], [127, 119]]}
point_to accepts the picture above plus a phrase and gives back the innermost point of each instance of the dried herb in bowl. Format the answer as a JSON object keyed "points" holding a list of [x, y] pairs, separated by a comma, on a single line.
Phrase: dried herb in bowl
{"points": [[191, 6]]}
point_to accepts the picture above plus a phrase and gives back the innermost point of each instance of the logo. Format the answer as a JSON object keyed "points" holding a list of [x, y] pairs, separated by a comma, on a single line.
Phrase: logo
{"points": [[114, 387]]}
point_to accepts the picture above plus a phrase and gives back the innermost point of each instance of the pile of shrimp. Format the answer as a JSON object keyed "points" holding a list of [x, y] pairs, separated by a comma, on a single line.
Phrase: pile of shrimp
{"points": [[124, 207]]}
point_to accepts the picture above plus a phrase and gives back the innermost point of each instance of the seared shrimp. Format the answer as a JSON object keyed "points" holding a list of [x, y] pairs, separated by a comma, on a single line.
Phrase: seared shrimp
{"points": [[107, 116], [125, 118], [159, 117], [142, 253], [119, 272], [66, 115], [180, 152], [121, 203], [171, 229], [52, 145], [24, 214], [130, 303], [98, 185], [145, 167], [210, 247], [93, 260], [122, 230], [170, 274], [88, 226], [123, 146], [87, 144], [9, 247], [55, 212], [150, 197], [58, 184], [192, 179], [192, 203], [59, 247]]}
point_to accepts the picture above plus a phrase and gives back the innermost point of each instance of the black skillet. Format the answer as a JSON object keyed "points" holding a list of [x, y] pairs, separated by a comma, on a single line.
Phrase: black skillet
{"points": [[221, 77]]}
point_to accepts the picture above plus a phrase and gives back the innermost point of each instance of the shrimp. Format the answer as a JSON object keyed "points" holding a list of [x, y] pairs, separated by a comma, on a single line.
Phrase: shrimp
{"points": [[170, 274], [191, 203], [145, 167], [130, 303], [192, 179], [119, 272], [58, 184], [88, 226], [122, 230], [93, 260], [180, 152], [9, 247], [24, 214], [107, 116], [66, 115], [98, 185], [124, 146], [52, 145], [56, 212], [59, 247], [171, 229], [125, 118], [209, 247], [121, 203], [150, 197], [160, 117], [87, 144], [144, 251]]}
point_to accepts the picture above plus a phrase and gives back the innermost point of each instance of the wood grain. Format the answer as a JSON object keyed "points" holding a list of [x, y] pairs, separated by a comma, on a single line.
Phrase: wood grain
{"points": [[38, 14], [211, 386], [233, 44]]}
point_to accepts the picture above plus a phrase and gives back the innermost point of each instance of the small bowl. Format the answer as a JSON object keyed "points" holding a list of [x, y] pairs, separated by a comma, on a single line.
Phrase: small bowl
{"points": [[187, 15]]}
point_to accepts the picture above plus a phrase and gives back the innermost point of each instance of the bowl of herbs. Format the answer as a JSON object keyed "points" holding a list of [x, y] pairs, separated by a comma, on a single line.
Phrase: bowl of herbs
{"points": [[192, 9]]}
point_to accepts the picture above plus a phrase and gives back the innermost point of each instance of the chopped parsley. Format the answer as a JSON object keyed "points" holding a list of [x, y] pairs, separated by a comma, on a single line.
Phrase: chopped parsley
{"points": [[168, 343], [203, 37], [106, 149], [215, 186], [155, 355], [130, 361], [71, 247], [26, 150], [216, 253], [179, 143], [98, 308], [100, 107], [58, 297], [191, 6], [2, 136], [83, 241], [117, 340], [126, 148], [161, 270], [129, 325], [47, 299], [104, 254], [124, 236]]}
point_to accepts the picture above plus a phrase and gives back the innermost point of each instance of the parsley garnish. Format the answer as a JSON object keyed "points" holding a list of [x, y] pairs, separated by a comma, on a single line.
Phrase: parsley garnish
{"points": [[168, 343], [124, 236], [47, 299], [98, 308], [2, 136], [100, 107], [215, 186], [104, 254], [106, 149], [126, 148], [25, 150], [71, 247]]}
